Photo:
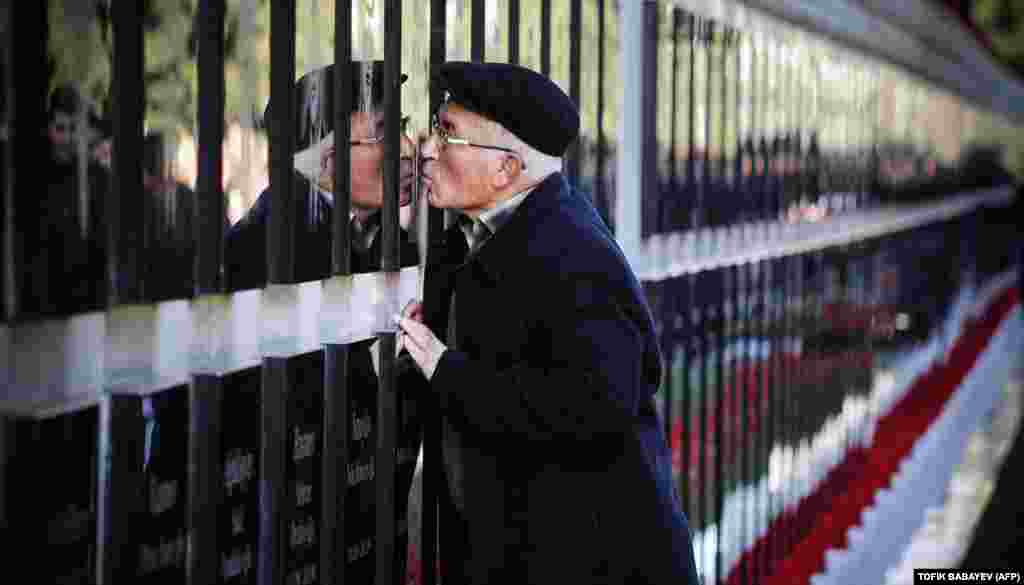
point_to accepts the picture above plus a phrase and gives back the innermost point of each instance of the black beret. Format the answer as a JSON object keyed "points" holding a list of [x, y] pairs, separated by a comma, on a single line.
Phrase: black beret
{"points": [[314, 99], [525, 102]]}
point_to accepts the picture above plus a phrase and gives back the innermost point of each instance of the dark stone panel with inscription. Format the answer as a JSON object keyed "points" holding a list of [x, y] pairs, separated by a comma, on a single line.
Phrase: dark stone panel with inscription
{"points": [[305, 415], [361, 500], [360, 518], [52, 495], [162, 541], [240, 446]]}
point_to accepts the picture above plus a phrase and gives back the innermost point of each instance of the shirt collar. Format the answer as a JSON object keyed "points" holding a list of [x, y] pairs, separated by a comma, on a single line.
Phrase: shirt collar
{"points": [[496, 217], [499, 215], [364, 231]]}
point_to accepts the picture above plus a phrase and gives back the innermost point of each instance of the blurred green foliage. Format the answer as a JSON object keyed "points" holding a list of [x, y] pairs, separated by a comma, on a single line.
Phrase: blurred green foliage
{"points": [[81, 51]]}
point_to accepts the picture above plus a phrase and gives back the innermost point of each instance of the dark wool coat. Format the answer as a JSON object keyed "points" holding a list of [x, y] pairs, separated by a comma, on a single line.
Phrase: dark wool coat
{"points": [[567, 473]]}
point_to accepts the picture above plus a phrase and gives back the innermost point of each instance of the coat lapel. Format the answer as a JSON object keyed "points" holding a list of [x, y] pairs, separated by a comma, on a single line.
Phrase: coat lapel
{"points": [[504, 247]]}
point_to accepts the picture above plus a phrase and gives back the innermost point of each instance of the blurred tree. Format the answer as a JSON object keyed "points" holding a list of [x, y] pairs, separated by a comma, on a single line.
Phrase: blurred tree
{"points": [[1003, 22]]}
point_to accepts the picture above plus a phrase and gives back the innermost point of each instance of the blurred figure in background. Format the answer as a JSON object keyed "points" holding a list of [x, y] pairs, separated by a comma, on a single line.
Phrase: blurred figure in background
{"points": [[64, 231], [170, 229]]}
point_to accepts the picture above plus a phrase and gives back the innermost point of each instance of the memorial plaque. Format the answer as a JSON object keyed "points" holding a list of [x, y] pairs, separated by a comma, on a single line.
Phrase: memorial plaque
{"points": [[304, 439], [361, 500], [55, 513], [162, 541], [240, 448]]}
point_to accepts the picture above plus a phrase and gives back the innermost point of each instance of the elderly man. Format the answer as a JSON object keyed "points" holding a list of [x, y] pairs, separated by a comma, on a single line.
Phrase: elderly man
{"points": [[557, 468]]}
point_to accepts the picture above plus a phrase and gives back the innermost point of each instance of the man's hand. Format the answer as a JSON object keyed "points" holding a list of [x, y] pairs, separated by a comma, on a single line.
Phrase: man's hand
{"points": [[426, 349]]}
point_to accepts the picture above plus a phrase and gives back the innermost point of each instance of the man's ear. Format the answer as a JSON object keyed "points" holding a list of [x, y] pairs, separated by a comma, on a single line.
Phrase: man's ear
{"points": [[511, 167]]}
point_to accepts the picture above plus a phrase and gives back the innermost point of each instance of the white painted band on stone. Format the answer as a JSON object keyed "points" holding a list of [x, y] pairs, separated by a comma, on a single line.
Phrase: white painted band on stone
{"points": [[792, 239], [64, 364]]}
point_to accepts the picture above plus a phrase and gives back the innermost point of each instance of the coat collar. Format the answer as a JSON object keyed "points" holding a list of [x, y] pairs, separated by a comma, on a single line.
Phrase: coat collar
{"points": [[502, 249]]}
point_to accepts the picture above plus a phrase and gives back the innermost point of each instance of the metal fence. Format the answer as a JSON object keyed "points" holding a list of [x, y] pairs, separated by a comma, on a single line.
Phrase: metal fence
{"points": [[165, 424]]}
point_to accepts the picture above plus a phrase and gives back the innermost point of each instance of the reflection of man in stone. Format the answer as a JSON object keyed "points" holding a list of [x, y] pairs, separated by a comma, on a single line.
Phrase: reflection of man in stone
{"points": [[245, 249], [62, 228], [245, 264], [170, 231]]}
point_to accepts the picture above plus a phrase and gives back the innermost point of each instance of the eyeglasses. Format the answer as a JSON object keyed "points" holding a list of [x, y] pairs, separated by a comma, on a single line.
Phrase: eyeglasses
{"points": [[446, 139], [403, 124]]}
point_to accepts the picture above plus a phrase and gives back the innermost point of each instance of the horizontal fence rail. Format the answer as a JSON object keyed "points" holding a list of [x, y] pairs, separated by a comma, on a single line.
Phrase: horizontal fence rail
{"points": [[198, 293]]}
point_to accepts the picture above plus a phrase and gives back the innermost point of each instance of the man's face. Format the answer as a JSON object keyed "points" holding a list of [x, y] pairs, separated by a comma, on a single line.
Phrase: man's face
{"points": [[367, 173], [61, 131], [458, 176]]}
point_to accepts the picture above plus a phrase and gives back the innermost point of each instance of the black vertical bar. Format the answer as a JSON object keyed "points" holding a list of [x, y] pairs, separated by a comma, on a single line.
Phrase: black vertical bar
{"points": [[744, 411], [387, 439], [205, 481], [8, 462], [740, 449], [776, 296], [649, 197], [210, 206], [335, 461], [477, 19], [387, 403], [673, 178], [120, 488], [336, 428], [756, 272], [700, 334], [513, 32], [600, 193], [390, 260], [272, 548], [780, 389], [572, 162], [204, 477], [741, 176], [724, 40], [723, 290], [750, 143], [789, 371], [763, 438], [691, 159], [29, 92], [682, 334], [126, 225], [120, 463], [433, 472], [707, 41], [281, 223], [665, 316], [341, 253], [545, 37]]}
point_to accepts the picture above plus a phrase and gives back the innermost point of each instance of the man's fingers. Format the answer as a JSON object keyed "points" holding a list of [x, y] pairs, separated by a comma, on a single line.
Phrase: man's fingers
{"points": [[413, 310], [417, 313], [417, 353], [419, 332]]}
